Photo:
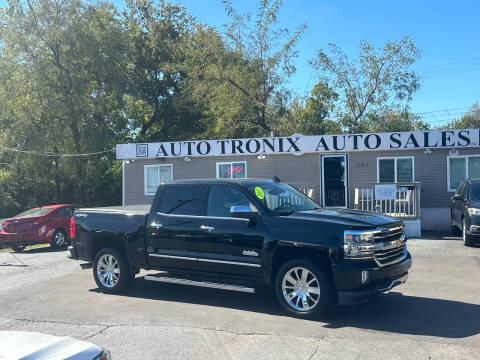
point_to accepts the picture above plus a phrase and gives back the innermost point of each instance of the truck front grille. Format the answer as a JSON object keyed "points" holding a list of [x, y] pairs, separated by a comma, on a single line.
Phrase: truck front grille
{"points": [[388, 234], [396, 249], [390, 256]]}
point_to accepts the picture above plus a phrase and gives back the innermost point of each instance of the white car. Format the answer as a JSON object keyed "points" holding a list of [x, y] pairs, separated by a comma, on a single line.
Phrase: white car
{"points": [[24, 345]]}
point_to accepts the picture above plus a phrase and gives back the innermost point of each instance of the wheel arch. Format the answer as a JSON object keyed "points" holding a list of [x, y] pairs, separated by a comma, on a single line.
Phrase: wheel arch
{"points": [[317, 255]]}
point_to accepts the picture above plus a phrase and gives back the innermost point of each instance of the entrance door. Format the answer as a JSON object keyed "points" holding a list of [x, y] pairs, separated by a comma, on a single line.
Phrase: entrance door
{"points": [[334, 180]]}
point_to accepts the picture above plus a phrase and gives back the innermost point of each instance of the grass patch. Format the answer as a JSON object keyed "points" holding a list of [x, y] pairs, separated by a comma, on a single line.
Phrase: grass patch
{"points": [[36, 246]]}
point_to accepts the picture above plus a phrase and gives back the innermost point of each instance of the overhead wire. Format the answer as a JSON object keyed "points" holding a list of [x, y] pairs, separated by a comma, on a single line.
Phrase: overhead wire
{"points": [[50, 154]]}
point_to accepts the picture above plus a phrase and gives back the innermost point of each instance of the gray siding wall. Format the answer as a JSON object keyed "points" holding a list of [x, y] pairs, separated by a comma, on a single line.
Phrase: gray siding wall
{"points": [[297, 170], [429, 169]]}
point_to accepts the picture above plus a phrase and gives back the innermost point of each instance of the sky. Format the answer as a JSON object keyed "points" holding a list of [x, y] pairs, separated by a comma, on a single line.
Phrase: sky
{"points": [[446, 32]]}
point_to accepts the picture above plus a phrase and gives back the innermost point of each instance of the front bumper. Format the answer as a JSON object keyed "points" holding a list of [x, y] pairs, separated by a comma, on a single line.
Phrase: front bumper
{"points": [[356, 282]]}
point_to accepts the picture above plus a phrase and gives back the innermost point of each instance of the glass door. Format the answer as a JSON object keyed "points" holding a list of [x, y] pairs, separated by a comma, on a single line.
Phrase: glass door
{"points": [[334, 180]]}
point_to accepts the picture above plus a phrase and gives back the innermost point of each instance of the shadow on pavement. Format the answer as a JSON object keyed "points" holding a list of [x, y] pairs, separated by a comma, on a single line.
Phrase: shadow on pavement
{"points": [[45, 249], [392, 312]]}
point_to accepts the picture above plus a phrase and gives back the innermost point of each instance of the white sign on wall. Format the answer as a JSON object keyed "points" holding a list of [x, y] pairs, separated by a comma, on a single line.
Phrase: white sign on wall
{"points": [[298, 144], [385, 192]]}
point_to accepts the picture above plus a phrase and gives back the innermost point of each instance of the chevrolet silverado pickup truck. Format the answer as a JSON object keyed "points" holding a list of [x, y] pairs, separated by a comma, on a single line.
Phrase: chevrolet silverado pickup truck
{"points": [[243, 234]]}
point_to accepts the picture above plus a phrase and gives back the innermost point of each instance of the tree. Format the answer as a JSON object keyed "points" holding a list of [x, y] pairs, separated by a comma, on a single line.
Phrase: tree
{"points": [[471, 120], [60, 62], [158, 103], [242, 77], [314, 117], [379, 82]]}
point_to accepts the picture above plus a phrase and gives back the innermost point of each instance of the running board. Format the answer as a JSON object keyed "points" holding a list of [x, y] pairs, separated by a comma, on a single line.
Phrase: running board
{"points": [[214, 285]]}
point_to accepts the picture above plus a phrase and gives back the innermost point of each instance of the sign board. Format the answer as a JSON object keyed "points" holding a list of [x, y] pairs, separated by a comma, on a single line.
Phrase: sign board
{"points": [[385, 191], [299, 144]]}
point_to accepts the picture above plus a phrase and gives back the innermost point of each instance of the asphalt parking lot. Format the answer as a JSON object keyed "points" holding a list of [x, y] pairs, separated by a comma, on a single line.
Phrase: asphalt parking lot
{"points": [[435, 315]]}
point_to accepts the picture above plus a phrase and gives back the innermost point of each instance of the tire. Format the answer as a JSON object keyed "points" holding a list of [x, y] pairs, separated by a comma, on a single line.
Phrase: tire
{"points": [[18, 248], [59, 239], [112, 272], [309, 305], [467, 239]]}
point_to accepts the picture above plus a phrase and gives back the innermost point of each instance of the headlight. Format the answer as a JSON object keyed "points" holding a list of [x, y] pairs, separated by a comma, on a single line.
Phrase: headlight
{"points": [[474, 211], [355, 244]]}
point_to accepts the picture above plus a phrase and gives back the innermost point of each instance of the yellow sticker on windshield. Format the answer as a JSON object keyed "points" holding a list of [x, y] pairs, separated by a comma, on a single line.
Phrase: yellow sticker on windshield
{"points": [[259, 192]]}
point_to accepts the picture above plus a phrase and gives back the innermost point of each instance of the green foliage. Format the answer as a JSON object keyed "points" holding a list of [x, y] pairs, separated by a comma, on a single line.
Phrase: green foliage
{"points": [[379, 82], [79, 77], [471, 120]]}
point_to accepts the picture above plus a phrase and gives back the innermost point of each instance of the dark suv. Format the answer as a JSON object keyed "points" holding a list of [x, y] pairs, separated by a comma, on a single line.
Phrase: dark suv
{"points": [[465, 211]]}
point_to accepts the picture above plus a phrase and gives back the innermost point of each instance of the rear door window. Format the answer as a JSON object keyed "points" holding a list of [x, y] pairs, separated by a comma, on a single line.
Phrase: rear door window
{"points": [[183, 200]]}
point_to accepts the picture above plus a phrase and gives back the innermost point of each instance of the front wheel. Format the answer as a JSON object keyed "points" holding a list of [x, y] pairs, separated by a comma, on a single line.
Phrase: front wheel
{"points": [[111, 271], [302, 289], [467, 239]]}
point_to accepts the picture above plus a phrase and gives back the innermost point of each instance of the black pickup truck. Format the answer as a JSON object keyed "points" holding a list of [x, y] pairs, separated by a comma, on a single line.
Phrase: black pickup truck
{"points": [[241, 235]]}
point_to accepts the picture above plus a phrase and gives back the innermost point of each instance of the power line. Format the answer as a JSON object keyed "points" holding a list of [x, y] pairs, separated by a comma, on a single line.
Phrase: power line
{"points": [[49, 154]]}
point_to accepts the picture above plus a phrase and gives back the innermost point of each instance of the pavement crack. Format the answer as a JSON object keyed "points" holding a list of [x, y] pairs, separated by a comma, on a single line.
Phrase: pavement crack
{"points": [[316, 349], [105, 328]]}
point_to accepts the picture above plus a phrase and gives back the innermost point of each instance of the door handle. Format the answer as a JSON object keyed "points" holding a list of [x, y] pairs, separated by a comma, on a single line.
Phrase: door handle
{"points": [[207, 227], [156, 225]]}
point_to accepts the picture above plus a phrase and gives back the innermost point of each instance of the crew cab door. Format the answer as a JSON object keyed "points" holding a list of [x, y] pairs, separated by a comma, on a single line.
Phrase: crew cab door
{"points": [[174, 227], [230, 245]]}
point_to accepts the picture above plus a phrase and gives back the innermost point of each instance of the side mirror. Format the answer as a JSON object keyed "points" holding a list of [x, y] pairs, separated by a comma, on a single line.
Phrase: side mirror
{"points": [[243, 212]]}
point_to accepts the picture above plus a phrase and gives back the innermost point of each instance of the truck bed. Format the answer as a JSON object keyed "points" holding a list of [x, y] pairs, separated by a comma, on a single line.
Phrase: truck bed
{"points": [[143, 209]]}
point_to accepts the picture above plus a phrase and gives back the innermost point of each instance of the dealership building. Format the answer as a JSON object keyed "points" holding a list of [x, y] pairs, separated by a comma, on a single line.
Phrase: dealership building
{"points": [[408, 175]]}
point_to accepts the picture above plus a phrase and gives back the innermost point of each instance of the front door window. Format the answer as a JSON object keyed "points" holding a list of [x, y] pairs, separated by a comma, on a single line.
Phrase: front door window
{"points": [[334, 176]]}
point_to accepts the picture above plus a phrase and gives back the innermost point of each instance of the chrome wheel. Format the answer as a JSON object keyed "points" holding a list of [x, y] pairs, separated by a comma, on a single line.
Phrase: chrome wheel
{"points": [[108, 271], [301, 289], [59, 239]]}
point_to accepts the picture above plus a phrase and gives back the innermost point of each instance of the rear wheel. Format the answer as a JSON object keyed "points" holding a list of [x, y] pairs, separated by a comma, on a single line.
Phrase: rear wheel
{"points": [[467, 239], [18, 248], [59, 239], [303, 289], [111, 271]]}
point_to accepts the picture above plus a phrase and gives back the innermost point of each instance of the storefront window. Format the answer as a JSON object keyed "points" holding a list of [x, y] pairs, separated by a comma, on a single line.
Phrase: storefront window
{"points": [[155, 175], [232, 170], [395, 169], [462, 167]]}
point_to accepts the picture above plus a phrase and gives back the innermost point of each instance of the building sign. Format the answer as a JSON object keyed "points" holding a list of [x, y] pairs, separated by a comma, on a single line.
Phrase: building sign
{"points": [[298, 144], [385, 191]]}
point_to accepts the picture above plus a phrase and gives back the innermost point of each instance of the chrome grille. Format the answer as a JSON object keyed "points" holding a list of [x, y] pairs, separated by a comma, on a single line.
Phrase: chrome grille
{"points": [[395, 251], [388, 234], [391, 256]]}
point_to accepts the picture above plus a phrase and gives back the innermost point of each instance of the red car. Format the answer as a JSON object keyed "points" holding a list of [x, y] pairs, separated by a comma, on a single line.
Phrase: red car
{"points": [[46, 224]]}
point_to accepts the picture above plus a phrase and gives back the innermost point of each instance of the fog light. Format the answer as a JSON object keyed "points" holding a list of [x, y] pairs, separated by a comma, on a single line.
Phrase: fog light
{"points": [[364, 277]]}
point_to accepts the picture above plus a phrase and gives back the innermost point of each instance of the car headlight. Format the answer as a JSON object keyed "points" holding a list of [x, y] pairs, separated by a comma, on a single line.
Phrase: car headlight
{"points": [[355, 244], [474, 211]]}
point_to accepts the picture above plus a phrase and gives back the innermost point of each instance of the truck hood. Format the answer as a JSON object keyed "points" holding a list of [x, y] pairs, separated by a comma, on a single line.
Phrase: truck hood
{"points": [[33, 345], [347, 217]]}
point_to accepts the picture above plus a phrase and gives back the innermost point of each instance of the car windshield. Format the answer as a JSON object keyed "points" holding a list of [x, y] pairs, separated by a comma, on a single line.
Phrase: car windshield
{"points": [[33, 212], [475, 191], [281, 198]]}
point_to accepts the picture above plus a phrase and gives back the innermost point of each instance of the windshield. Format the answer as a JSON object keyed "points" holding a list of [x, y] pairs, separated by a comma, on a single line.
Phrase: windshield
{"points": [[33, 212], [282, 198], [475, 191]]}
